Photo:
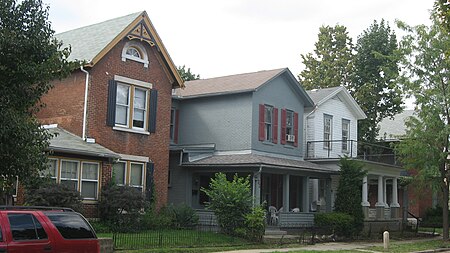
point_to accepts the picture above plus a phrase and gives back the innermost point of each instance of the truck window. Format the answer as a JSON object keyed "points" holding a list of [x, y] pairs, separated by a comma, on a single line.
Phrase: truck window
{"points": [[1, 236], [25, 226], [71, 225]]}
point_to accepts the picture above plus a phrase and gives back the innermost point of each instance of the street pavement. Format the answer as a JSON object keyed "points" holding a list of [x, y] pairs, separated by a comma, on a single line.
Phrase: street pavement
{"points": [[357, 246]]}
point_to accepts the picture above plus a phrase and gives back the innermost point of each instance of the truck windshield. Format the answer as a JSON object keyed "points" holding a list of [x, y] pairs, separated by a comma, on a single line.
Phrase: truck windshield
{"points": [[71, 225]]}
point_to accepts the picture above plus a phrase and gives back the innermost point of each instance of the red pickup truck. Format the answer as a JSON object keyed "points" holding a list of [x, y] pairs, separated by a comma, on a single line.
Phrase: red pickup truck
{"points": [[37, 229]]}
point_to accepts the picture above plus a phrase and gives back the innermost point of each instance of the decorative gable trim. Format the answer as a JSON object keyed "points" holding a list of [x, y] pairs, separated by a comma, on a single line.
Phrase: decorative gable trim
{"points": [[142, 33], [142, 28]]}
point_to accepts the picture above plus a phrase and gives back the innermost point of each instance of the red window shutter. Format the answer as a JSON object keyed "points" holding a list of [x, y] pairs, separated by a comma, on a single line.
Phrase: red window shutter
{"points": [[296, 129], [275, 126], [175, 134], [261, 123], [283, 126]]}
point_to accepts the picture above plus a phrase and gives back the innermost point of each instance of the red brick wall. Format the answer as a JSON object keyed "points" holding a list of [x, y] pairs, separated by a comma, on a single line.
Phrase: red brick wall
{"points": [[65, 107], [64, 103]]}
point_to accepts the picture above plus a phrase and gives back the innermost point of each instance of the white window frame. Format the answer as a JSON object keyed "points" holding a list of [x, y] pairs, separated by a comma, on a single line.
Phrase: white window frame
{"points": [[345, 135], [44, 174], [140, 48], [90, 180], [289, 128], [327, 136], [145, 108], [69, 179], [133, 85], [128, 106], [268, 126], [142, 177], [124, 173]]}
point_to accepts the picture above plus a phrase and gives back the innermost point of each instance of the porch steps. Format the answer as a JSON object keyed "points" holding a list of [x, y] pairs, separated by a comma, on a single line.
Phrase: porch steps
{"points": [[274, 231]]}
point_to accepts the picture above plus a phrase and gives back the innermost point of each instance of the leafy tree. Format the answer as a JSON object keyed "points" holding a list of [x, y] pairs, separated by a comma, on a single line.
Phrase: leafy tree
{"points": [[374, 84], [331, 63], [426, 145], [186, 74], [231, 201], [29, 58], [348, 197]]}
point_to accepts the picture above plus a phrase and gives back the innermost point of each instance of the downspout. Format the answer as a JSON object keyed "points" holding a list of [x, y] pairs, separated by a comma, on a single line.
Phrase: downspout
{"points": [[85, 102]]}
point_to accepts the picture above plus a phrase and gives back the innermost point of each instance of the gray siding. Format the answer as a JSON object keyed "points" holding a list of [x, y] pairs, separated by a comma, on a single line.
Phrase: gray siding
{"points": [[223, 120], [280, 94], [180, 186]]}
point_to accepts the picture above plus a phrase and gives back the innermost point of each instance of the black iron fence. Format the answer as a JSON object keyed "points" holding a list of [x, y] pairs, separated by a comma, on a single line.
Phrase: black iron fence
{"points": [[381, 153], [174, 238]]}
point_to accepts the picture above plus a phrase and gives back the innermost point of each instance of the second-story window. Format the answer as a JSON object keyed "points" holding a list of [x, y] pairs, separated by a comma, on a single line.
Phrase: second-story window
{"points": [[327, 131], [345, 135], [132, 105], [290, 137], [268, 123], [131, 97]]}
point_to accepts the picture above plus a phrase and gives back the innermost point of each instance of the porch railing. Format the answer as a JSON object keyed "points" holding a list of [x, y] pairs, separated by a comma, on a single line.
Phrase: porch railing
{"points": [[332, 149]]}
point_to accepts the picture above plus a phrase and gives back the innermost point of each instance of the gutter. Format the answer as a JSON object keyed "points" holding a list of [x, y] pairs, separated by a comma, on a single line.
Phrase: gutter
{"points": [[83, 136]]}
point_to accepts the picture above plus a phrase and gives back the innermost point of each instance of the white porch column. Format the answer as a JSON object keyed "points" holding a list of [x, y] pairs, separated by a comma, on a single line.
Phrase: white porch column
{"points": [[380, 192], [257, 188], [386, 205], [286, 193], [394, 202], [315, 194], [380, 205], [365, 190], [395, 206]]}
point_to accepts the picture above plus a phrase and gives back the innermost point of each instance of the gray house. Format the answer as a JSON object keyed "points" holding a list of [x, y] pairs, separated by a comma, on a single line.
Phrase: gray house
{"points": [[250, 124]]}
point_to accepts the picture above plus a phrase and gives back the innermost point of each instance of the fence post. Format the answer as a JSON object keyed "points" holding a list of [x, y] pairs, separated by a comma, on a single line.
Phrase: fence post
{"points": [[159, 238]]}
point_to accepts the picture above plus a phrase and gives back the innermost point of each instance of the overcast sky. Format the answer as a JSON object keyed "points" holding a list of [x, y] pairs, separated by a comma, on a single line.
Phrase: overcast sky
{"points": [[216, 38]]}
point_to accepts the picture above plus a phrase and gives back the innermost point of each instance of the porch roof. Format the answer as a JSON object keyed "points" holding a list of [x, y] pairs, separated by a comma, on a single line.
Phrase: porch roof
{"points": [[253, 160]]}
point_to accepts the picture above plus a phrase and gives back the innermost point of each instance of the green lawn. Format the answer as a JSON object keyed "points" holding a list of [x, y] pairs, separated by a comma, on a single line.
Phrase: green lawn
{"points": [[414, 246]]}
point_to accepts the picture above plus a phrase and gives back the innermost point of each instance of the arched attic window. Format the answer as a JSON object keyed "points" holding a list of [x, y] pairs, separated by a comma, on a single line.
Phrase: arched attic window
{"points": [[135, 51]]}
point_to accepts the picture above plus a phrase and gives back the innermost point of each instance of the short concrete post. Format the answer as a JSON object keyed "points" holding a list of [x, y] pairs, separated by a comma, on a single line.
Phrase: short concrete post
{"points": [[386, 240]]}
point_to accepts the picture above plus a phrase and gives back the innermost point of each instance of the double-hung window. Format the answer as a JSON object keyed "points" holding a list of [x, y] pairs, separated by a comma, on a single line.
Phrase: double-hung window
{"points": [[137, 175], [172, 124], [69, 174], [52, 169], [89, 180], [131, 97], [290, 137], [119, 172], [327, 131], [129, 173], [268, 116], [345, 135]]}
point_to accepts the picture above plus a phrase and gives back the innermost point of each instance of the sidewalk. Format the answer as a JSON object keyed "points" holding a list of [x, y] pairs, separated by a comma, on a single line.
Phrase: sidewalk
{"points": [[328, 246]]}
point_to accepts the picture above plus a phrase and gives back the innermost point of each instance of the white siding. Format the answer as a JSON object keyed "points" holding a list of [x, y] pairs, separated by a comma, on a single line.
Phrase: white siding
{"points": [[315, 126]]}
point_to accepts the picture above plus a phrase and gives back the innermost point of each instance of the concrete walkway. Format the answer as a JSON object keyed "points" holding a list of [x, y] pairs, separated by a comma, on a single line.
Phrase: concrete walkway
{"points": [[357, 246]]}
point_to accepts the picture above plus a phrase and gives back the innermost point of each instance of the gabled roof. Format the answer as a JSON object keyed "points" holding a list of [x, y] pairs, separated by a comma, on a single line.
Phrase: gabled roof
{"points": [[394, 128], [239, 83], [67, 142], [91, 43], [320, 96]]}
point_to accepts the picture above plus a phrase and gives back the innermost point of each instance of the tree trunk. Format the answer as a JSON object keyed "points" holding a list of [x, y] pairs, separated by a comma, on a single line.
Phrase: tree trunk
{"points": [[445, 212]]}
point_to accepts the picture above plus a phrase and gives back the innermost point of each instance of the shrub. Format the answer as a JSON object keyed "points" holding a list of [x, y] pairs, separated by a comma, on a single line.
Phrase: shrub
{"points": [[184, 216], [153, 219], [433, 217], [56, 195], [348, 198], [340, 224], [230, 201], [120, 207], [255, 224]]}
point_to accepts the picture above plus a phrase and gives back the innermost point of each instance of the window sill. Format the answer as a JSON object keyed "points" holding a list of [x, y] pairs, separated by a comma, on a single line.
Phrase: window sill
{"points": [[90, 201], [289, 146], [268, 143], [130, 130]]}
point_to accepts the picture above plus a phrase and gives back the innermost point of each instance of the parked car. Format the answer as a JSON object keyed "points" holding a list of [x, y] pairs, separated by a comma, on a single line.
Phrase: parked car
{"points": [[43, 229]]}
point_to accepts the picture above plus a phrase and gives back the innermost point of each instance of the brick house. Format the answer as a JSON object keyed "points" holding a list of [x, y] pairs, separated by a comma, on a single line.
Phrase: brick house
{"points": [[120, 99]]}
